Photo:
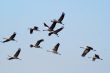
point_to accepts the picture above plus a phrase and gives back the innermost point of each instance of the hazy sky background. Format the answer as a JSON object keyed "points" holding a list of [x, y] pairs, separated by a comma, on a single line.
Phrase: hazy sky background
{"points": [[87, 22]]}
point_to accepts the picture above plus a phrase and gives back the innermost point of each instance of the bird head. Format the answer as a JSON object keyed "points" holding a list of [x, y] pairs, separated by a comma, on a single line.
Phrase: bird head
{"points": [[31, 46]]}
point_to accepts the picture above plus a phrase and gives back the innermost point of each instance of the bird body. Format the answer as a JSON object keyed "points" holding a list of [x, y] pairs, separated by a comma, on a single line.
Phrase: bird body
{"points": [[55, 31]]}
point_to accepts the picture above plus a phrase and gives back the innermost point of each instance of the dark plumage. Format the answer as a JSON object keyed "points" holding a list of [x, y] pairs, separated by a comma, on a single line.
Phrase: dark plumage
{"points": [[15, 56], [46, 25], [96, 57], [51, 28], [55, 31], [37, 45], [55, 49], [11, 38], [60, 19], [35, 28], [87, 50]]}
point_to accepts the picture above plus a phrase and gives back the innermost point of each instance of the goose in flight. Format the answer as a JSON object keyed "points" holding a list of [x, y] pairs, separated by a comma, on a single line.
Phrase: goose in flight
{"points": [[11, 38], [37, 45], [55, 31], [87, 50], [51, 28], [96, 57], [35, 28], [55, 49], [60, 19], [15, 56]]}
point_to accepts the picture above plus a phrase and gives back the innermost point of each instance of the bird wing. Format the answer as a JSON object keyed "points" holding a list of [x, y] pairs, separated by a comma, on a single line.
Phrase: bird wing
{"points": [[89, 47], [97, 56], [53, 25], [12, 36], [61, 17], [17, 53], [85, 52], [39, 41], [58, 30], [31, 30], [46, 25], [6, 40], [56, 47]]}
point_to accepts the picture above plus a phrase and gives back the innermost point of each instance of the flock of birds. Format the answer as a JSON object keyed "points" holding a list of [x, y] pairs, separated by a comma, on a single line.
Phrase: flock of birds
{"points": [[87, 50], [51, 31]]}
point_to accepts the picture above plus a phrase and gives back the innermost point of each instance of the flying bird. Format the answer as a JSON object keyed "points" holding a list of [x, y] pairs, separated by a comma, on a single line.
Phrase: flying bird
{"points": [[96, 57], [55, 31], [37, 45], [11, 38], [87, 50], [15, 56], [35, 28], [55, 49], [51, 28], [60, 19]]}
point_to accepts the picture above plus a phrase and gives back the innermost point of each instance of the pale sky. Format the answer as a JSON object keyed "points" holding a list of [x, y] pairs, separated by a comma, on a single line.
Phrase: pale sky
{"points": [[87, 22]]}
